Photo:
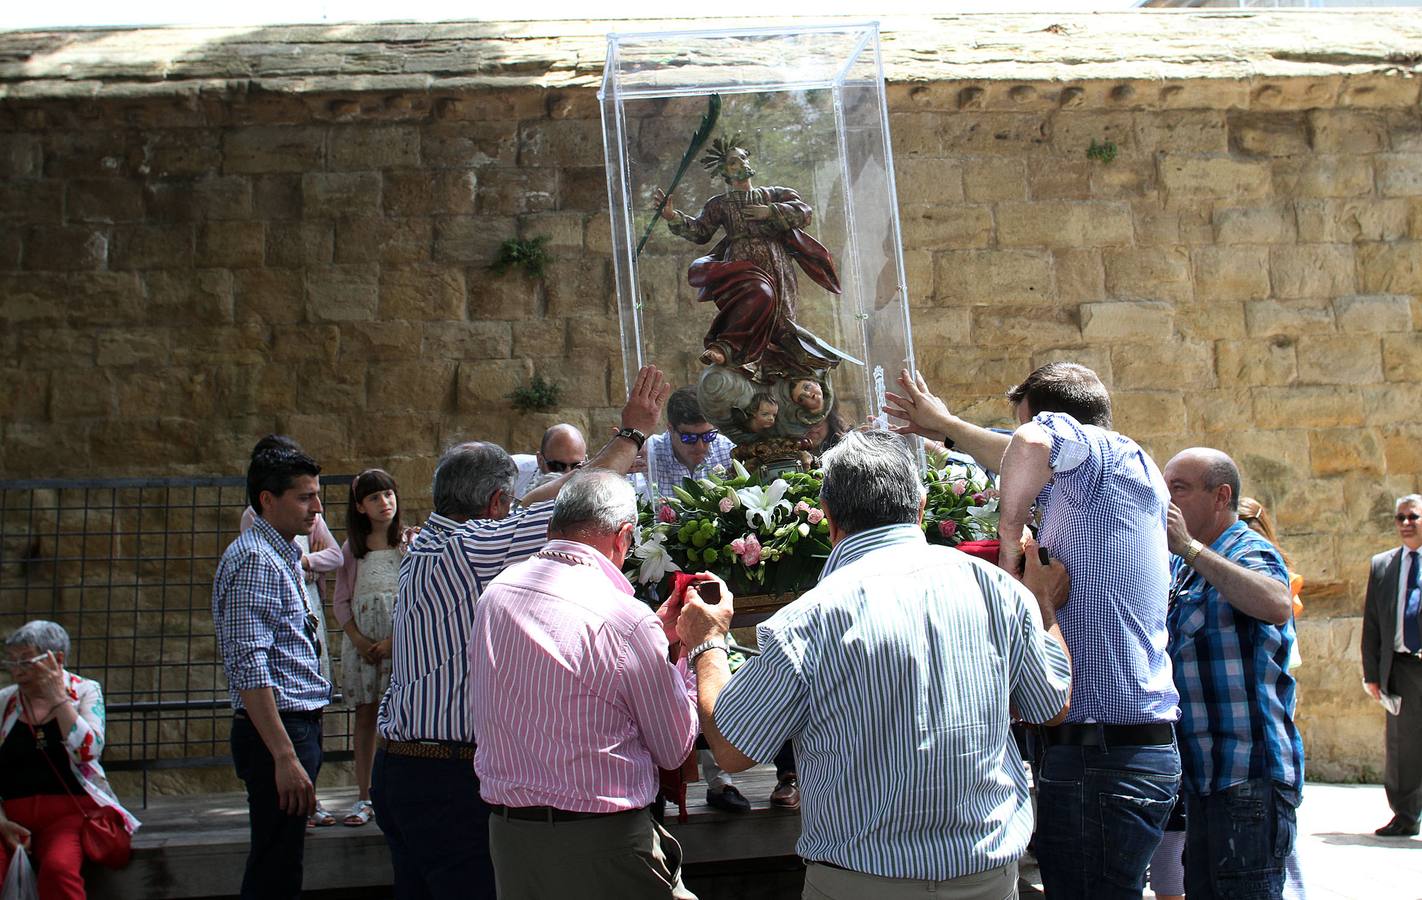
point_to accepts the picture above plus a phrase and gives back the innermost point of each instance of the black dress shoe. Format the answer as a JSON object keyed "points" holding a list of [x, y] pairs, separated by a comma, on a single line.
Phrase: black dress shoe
{"points": [[1398, 827], [728, 799]]}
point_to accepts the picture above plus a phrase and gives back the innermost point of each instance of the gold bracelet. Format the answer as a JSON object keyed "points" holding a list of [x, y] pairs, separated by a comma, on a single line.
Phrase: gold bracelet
{"points": [[1192, 552]]}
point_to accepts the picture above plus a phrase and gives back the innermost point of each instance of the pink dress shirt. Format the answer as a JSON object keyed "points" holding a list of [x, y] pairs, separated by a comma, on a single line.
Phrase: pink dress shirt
{"points": [[575, 704]]}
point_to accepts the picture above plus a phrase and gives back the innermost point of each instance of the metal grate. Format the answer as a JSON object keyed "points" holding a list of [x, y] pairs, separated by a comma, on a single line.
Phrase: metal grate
{"points": [[126, 566]]}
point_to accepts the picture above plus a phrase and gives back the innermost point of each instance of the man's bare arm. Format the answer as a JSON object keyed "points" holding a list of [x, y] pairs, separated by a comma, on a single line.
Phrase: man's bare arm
{"points": [[927, 415], [1026, 469], [1252, 593]]}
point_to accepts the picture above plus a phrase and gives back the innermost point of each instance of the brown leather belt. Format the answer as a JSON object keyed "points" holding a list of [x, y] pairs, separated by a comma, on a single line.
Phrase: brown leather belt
{"points": [[430, 749], [550, 814]]}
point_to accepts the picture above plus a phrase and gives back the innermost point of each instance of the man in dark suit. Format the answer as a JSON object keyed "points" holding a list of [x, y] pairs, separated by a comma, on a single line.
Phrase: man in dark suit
{"points": [[1392, 663]]}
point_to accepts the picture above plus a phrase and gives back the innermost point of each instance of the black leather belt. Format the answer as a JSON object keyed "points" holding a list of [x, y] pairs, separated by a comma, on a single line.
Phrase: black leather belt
{"points": [[307, 715], [1077, 734], [429, 749], [550, 814]]}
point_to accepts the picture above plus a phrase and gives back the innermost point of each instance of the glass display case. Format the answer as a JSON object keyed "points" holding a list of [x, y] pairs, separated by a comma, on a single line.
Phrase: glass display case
{"points": [[807, 107]]}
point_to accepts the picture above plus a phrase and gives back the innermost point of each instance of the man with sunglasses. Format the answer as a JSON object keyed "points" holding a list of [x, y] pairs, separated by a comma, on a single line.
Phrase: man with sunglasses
{"points": [[561, 451], [1392, 663]]}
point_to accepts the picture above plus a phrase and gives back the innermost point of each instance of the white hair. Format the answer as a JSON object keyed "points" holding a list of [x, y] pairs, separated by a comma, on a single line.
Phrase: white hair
{"points": [[1408, 500], [41, 634]]}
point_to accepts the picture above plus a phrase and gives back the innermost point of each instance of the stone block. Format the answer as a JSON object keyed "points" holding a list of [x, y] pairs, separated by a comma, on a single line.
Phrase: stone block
{"points": [[88, 153], [272, 296], [1373, 313], [1349, 221], [21, 156], [1393, 268], [1032, 327], [1126, 320], [923, 180], [28, 395], [393, 435], [1380, 89], [993, 178], [1215, 411], [994, 134], [293, 244], [470, 239], [1266, 318], [320, 387], [940, 332], [1169, 364], [1347, 131], [542, 337], [1155, 224], [277, 196], [363, 148], [1147, 273], [1128, 179], [118, 347], [1340, 359], [512, 192], [1080, 275], [1323, 176], [102, 200], [182, 152], [1268, 134], [1231, 273], [423, 193], [507, 296], [295, 344], [1312, 270], [1063, 223], [916, 134], [422, 292], [82, 394], [330, 194], [1200, 130], [1256, 362], [222, 197], [564, 230], [1016, 277], [1400, 353], [1138, 413], [570, 142], [65, 248], [1097, 359], [152, 246], [157, 443], [464, 145], [485, 386], [579, 287], [236, 245], [1066, 180], [265, 149], [463, 341], [342, 293], [1399, 174], [1340, 451], [388, 240], [1073, 132], [1306, 406], [11, 248], [325, 437], [1390, 404], [1402, 450], [946, 227], [1214, 176], [421, 385], [1254, 224], [380, 340], [583, 188]]}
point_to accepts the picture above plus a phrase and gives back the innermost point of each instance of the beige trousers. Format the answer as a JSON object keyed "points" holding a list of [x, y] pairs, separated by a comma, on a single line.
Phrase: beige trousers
{"points": [[828, 883]]}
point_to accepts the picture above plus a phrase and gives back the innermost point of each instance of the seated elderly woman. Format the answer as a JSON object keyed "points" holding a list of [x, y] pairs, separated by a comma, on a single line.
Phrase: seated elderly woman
{"points": [[51, 734]]}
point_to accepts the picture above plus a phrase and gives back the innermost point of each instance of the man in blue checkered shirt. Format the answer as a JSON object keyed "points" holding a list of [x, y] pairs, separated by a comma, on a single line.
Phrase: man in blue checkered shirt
{"points": [[1231, 632], [1110, 773], [271, 655]]}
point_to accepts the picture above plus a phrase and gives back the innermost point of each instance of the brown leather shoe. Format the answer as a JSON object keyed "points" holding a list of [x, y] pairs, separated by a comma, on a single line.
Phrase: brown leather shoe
{"points": [[787, 793]]}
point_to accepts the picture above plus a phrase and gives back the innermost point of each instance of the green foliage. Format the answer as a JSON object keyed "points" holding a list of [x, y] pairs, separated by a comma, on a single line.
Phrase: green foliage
{"points": [[538, 395], [531, 256], [1104, 152]]}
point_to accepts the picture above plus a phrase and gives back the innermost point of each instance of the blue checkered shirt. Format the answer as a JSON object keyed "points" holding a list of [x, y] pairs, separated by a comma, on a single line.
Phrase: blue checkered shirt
{"points": [[667, 472], [1236, 694], [894, 677], [1103, 516], [259, 612]]}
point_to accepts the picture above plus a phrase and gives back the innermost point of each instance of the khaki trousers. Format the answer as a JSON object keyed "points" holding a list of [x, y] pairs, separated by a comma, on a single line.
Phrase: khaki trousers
{"points": [[828, 883], [626, 856]]}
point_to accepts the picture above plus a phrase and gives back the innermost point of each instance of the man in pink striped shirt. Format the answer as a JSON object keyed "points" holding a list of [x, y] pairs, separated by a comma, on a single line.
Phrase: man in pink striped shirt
{"points": [[575, 706]]}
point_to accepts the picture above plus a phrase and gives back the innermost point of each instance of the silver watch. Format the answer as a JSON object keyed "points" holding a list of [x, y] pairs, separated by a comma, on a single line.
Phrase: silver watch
{"points": [[712, 644]]}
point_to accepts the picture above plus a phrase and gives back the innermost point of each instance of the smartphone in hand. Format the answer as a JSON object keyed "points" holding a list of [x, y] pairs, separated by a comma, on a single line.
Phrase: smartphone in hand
{"points": [[708, 591]]}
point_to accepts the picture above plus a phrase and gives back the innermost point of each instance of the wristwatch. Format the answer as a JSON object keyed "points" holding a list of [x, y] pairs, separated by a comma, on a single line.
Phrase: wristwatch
{"points": [[632, 435], [1192, 552], [704, 646]]}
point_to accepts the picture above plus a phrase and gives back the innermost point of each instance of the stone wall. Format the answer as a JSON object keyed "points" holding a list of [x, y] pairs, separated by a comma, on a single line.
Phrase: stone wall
{"points": [[236, 233]]}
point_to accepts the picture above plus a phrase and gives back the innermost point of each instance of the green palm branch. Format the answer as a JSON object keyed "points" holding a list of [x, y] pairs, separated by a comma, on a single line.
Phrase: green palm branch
{"points": [[703, 133]]}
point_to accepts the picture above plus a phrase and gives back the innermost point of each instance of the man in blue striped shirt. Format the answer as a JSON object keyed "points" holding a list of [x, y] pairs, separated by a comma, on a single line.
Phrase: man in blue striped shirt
{"points": [[896, 679], [423, 785], [1231, 632]]}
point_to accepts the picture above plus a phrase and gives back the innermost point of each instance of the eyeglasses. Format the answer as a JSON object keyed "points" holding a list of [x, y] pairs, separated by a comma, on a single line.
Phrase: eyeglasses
{"points": [[705, 437], [15, 665], [557, 465], [1407, 517]]}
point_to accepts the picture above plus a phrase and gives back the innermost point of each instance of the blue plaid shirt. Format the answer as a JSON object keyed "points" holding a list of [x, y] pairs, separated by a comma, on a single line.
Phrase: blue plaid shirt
{"points": [[1236, 694], [894, 677], [1103, 516], [259, 613], [667, 472]]}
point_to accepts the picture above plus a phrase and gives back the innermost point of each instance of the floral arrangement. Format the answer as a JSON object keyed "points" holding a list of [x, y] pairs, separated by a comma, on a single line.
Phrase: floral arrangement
{"points": [[772, 538]]}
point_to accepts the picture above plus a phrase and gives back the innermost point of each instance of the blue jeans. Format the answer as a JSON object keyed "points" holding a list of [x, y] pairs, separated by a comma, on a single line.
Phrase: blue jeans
{"points": [[278, 841], [1100, 816], [1237, 841], [437, 827]]}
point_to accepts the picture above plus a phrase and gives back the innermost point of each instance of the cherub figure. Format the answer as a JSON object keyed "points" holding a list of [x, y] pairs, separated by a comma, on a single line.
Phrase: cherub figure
{"points": [[761, 413]]}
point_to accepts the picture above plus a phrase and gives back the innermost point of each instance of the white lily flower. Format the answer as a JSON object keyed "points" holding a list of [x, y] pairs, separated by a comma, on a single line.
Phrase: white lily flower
{"points": [[656, 561], [761, 502]]}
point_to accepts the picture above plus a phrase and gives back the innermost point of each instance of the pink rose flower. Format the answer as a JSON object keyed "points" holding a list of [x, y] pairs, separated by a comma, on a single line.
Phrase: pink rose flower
{"points": [[816, 514], [947, 528], [666, 514], [726, 505], [802, 508], [979, 498], [960, 487], [751, 555], [738, 546]]}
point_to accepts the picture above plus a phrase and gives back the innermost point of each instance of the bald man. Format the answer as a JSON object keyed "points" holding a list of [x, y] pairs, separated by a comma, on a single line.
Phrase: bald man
{"points": [[561, 451], [1231, 632]]}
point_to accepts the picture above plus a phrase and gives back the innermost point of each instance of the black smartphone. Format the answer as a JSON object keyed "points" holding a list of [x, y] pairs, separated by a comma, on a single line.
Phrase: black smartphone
{"points": [[708, 591]]}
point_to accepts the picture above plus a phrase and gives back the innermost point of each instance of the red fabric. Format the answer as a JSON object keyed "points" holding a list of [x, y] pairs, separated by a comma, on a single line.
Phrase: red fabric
{"points": [[54, 823], [984, 550]]}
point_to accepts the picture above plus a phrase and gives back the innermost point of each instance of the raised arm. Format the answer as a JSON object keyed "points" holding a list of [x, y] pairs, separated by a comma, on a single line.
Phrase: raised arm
{"points": [[925, 414], [1026, 469], [1253, 593]]}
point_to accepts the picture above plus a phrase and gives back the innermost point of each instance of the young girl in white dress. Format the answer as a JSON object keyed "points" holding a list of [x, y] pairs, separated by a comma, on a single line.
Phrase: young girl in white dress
{"points": [[364, 605]]}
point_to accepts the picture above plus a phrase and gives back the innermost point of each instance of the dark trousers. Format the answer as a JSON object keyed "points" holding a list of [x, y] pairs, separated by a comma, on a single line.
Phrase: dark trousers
{"points": [[1237, 840], [278, 840], [784, 760], [1402, 775], [437, 827]]}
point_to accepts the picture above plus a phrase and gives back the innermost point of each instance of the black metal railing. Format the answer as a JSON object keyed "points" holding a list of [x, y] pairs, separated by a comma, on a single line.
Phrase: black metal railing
{"points": [[126, 566]]}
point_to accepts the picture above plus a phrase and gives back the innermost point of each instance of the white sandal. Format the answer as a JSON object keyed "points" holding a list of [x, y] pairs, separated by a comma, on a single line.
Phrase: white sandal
{"points": [[321, 818], [360, 814]]}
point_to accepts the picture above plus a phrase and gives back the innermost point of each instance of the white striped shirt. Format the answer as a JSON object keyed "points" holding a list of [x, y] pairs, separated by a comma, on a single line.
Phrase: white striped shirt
{"points": [[894, 678], [441, 579]]}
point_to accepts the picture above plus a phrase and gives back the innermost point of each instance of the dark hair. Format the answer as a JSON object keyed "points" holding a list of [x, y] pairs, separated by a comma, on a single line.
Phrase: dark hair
{"points": [[358, 525], [1065, 388], [276, 442], [275, 470], [838, 428], [683, 408], [869, 481]]}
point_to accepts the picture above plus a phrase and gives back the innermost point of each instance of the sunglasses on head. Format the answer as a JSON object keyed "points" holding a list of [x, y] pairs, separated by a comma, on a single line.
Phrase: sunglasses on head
{"points": [[705, 438], [1407, 517], [557, 465]]}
